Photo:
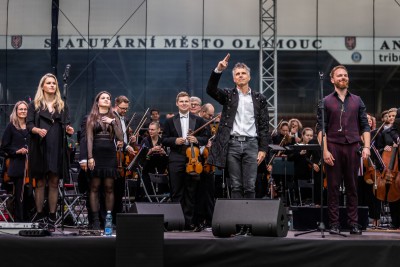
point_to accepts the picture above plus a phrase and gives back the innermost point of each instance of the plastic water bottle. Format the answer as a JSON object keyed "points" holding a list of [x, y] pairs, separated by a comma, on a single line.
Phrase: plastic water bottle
{"points": [[108, 228]]}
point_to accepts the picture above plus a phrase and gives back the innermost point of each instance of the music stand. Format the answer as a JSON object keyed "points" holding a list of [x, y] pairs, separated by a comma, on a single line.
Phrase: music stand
{"points": [[280, 169], [305, 184]]}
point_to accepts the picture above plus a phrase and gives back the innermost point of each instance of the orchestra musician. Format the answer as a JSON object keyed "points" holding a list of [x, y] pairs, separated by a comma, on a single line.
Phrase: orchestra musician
{"points": [[295, 128], [241, 142], [307, 167], [48, 118], [156, 160], [345, 122], [14, 144], [387, 141], [125, 150], [101, 130], [206, 190], [175, 136], [195, 105], [366, 195]]}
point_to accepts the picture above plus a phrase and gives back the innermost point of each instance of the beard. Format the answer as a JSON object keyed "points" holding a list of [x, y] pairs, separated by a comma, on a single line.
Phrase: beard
{"points": [[342, 84]]}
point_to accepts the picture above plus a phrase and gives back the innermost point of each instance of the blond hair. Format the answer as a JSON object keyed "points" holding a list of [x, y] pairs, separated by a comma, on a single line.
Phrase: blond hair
{"points": [[39, 100], [14, 117]]}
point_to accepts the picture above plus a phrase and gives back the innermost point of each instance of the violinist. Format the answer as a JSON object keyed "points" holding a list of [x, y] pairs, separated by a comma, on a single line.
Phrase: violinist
{"points": [[175, 136], [206, 190], [125, 150], [156, 159], [385, 144], [154, 117], [15, 145]]}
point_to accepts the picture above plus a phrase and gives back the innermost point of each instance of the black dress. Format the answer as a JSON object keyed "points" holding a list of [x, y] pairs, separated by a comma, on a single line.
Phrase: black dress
{"points": [[46, 154], [102, 148]]}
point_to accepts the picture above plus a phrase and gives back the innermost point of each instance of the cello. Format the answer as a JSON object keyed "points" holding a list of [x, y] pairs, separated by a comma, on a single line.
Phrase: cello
{"points": [[386, 188]]}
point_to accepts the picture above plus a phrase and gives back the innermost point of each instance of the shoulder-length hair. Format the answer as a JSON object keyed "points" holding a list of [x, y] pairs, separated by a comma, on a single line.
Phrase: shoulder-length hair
{"points": [[95, 114], [39, 100], [13, 117]]}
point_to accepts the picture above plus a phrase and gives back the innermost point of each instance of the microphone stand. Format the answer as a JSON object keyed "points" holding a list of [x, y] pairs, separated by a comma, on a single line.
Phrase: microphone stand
{"points": [[65, 164], [321, 225]]}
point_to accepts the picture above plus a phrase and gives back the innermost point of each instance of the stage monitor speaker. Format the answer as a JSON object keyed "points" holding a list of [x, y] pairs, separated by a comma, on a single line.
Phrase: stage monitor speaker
{"points": [[306, 218], [258, 217], [173, 214], [140, 240]]}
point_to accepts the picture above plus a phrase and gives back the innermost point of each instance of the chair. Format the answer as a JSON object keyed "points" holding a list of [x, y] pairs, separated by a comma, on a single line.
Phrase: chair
{"points": [[74, 203], [305, 184], [156, 180], [5, 214]]}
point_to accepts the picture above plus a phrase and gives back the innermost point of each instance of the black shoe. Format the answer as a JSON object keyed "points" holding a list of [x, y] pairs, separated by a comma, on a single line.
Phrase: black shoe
{"points": [[190, 227], [355, 229], [334, 230], [199, 228]]}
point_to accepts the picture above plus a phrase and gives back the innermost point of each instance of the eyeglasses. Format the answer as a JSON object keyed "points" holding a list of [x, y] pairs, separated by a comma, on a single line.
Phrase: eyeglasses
{"points": [[125, 109], [194, 105]]}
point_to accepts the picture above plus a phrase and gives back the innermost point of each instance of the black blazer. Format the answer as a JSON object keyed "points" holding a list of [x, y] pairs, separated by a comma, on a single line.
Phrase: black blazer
{"points": [[14, 139], [173, 130]]}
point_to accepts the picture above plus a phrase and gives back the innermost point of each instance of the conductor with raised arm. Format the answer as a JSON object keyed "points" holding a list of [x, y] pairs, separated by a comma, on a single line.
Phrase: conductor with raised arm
{"points": [[242, 139]]}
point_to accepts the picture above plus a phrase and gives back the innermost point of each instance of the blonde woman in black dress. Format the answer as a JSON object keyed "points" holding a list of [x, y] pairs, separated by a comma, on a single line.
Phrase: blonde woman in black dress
{"points": [[47, 116]]}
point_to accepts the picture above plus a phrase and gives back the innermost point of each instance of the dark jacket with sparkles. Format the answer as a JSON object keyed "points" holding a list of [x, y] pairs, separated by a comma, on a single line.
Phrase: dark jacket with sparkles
{"points": [[229, 99]]}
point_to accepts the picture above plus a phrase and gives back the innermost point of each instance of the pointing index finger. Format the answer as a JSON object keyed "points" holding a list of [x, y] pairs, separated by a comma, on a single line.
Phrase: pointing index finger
{"points": [[227, 57]]}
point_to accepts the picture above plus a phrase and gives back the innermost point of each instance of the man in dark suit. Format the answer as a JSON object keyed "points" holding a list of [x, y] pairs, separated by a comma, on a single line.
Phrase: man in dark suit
{"points": [[121, 106], [345, 120], [176, 137]]}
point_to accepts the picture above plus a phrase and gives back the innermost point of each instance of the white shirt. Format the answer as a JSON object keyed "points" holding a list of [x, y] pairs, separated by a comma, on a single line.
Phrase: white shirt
{"points": [[184, 124], [244, 123]]}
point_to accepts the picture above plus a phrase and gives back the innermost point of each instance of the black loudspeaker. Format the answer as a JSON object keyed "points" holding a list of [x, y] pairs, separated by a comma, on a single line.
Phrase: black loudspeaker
{"points": [[258, 217], [306, 218], [173, 214], [140, 240]]}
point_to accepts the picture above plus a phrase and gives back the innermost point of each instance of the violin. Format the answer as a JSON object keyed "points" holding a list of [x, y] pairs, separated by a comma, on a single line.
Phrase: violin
{"points": [[29, 183], [208, 168], [193, 165]]}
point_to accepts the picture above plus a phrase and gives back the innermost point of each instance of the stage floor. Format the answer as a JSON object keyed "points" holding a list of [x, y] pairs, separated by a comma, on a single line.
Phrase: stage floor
{"points": [[372, 248]]}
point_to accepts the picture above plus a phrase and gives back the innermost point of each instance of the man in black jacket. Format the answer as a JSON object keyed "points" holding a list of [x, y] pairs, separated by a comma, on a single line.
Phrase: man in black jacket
{"points": [[242, 139], [176, 136]]}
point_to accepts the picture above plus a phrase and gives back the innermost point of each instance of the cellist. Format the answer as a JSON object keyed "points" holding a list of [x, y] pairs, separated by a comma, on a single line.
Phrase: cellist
{"points": [[386, 142], [366, 190], [175, 136]]}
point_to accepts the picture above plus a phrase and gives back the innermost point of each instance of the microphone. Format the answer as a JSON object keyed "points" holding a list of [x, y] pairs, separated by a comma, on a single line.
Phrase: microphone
{"points": [[321, 75], [66, 72]]}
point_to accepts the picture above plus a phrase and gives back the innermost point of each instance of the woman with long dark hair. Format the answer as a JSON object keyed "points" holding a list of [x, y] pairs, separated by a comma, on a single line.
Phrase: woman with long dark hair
{"points": [[101, 132]]}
